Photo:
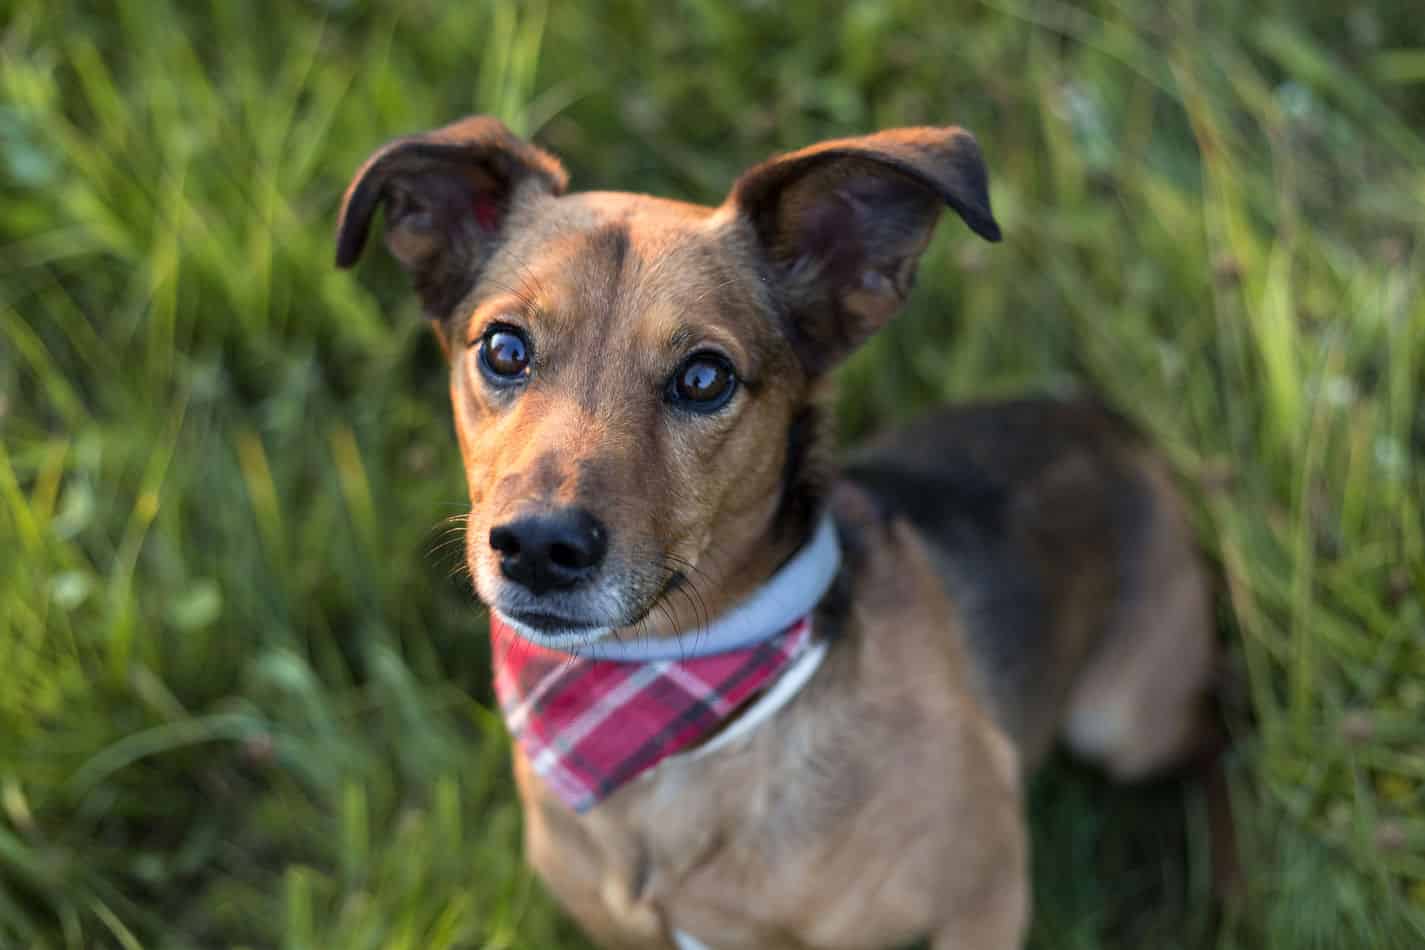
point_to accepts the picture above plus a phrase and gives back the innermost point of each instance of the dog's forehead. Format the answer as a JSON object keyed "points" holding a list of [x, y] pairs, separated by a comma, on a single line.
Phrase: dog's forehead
{"points": [[545, 224], [625, 264], [646, 209]]}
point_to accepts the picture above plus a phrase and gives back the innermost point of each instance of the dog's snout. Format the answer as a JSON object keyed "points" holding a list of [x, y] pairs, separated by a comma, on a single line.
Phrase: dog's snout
{"points": [[552, 551]]}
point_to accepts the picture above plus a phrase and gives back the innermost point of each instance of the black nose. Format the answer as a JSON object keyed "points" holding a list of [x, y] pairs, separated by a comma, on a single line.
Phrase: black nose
{"points": [[552, 551]]}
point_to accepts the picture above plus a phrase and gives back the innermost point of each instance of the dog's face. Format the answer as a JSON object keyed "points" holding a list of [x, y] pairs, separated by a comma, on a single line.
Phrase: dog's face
{"points": [[631, 377], [617, 399]]}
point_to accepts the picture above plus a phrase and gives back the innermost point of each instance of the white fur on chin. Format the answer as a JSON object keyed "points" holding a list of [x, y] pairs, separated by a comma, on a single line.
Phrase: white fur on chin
{"points": [[570, 641]]}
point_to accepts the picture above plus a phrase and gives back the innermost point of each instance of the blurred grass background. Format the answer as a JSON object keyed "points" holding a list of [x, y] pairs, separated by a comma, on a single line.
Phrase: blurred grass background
{"points": [[242, 684]]}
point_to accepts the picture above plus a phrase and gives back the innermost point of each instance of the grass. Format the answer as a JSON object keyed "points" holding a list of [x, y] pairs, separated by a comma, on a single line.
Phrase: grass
{"points": [[243, 695]]}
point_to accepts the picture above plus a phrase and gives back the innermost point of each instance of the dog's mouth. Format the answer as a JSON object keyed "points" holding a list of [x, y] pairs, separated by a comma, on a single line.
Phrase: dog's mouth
{"points": [[551, 631], [549, 626], [543, 622]]}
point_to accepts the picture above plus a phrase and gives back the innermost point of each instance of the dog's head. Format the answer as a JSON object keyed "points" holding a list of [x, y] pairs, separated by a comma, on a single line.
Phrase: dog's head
{"points": [[632, 378]]}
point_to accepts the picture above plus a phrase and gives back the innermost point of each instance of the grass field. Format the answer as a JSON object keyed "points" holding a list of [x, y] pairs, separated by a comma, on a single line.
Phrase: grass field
{"points": [[243, 686]]}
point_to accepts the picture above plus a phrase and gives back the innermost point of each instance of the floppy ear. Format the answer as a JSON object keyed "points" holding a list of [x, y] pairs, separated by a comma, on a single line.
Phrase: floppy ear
{"points": [[842, 224], [447, 194]]}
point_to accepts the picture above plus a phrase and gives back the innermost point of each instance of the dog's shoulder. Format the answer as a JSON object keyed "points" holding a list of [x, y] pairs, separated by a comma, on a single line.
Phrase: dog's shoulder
{"points": [[1030, 509]]}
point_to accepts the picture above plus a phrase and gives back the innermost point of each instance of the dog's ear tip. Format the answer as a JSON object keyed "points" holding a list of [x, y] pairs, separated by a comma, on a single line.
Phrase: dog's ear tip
{"points": [[975, 212], [348, 246], [987, 228]]}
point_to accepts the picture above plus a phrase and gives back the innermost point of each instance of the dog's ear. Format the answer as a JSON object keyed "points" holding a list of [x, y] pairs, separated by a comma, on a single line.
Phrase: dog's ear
{"points": [[842, 224], [447, 195]]}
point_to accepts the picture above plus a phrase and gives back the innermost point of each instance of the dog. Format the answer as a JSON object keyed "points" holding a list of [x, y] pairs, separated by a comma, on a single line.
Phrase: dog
{"points": [[760, 701]]}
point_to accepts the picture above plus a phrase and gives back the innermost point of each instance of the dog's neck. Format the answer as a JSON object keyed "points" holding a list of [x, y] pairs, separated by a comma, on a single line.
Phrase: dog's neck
{"points": [[587, 717]]}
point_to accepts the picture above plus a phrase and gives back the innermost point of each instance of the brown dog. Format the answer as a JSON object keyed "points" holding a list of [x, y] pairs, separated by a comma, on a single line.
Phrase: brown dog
{"points": [[638, 388]]}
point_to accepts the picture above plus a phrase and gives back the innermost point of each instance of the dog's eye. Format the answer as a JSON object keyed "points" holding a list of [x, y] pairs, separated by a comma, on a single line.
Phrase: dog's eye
{"points": [[504, 354], [704, 383]]}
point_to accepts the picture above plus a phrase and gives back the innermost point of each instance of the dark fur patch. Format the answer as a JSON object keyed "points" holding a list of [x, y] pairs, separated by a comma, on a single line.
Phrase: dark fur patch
{"points": [[959, 504], [805, 476], [607, 247], [611, 242], [963, 512], [835, 605]]}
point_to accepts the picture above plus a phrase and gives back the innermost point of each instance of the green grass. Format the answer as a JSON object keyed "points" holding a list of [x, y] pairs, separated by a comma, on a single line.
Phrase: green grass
{"points": [[242, 686]]}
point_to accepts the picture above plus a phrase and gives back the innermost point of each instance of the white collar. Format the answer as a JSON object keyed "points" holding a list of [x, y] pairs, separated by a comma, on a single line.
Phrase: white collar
{"points": [[787, 596]]}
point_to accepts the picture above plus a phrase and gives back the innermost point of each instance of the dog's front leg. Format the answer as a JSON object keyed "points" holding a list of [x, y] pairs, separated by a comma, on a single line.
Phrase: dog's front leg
{"points": [[599, 881], [649, 850], [1000, 922]]}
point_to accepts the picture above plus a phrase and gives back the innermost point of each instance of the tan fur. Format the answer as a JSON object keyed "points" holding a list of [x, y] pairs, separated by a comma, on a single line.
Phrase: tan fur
{"points": [[884, 804]]}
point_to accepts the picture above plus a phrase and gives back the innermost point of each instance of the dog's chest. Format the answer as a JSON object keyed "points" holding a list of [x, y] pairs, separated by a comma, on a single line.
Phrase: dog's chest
{"points": [[826, 828], [752, 864]]}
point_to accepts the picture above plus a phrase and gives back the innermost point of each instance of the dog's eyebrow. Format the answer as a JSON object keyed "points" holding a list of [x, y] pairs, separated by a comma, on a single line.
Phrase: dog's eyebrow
{"points": [[496, 295], [686, 336], [749, 360], [491, 308], [681, 338]]}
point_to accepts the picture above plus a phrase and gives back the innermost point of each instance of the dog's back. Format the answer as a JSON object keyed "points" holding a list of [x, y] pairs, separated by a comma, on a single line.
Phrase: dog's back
{"points": [[1065, 550]]}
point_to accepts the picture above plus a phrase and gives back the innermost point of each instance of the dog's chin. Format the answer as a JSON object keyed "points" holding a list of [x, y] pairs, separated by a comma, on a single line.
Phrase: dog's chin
{"points": [[554, 632], [567, 620]]}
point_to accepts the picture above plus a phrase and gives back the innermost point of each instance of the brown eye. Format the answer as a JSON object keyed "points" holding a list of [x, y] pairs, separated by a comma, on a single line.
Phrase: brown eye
{"points": [[704, 383], [504, 354]]}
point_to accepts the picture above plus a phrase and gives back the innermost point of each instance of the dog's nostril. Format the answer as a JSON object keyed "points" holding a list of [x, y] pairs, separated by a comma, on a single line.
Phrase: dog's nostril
{"points": [[566, 555], [505, 541]]}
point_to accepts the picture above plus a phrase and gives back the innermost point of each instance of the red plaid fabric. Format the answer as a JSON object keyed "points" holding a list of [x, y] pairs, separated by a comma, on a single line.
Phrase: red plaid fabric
{"points": [[588, 726]]}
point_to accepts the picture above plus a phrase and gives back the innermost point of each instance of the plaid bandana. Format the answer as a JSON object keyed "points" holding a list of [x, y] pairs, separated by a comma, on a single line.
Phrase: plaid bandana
{"points": [[589, 725]]}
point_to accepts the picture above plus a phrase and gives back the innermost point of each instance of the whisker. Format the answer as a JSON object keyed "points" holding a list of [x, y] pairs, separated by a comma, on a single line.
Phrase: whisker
{"points": [[446, 541], [691, 573]]}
